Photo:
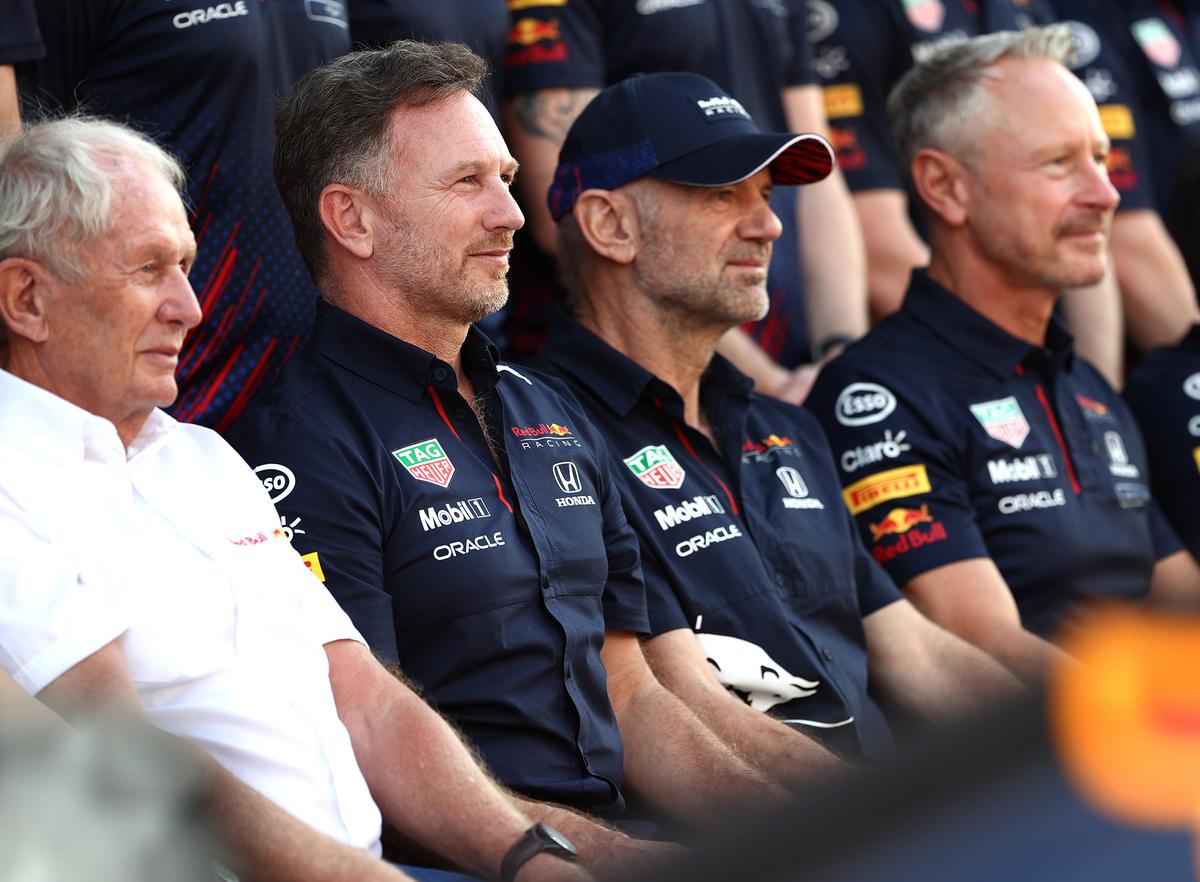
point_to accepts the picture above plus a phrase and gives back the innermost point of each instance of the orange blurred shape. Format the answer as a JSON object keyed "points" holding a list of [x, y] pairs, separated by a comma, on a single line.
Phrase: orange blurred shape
{"points": [[1126, 720]]}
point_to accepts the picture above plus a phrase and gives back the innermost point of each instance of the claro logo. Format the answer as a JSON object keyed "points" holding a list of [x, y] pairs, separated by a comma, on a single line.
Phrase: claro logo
{"points": [[861, 404]]}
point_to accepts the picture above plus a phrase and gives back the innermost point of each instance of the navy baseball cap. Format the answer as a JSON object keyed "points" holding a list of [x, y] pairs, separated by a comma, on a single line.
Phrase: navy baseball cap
{"points": [[679, 127]]}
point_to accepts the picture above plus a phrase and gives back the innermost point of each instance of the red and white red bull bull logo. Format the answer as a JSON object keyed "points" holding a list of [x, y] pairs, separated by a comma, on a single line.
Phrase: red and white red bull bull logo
{"points": [[900, 520]]}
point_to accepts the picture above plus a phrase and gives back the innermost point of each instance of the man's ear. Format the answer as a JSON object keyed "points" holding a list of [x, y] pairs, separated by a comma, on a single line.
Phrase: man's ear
{"points": [[941, 182], [347, 216], [608, 221], [24, 285]]}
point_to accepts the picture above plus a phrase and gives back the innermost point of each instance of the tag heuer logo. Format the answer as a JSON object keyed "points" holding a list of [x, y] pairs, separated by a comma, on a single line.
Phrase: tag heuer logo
{"points": [[1003, 420], [656, 467], [426, 461]]}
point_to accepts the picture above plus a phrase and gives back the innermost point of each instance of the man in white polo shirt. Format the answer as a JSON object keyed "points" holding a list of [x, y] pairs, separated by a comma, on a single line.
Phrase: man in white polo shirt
{"points": [[144, 565]]}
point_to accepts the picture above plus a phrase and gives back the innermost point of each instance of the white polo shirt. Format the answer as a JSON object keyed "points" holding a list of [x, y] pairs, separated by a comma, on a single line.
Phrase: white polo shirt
{"points": [[175, 549]]}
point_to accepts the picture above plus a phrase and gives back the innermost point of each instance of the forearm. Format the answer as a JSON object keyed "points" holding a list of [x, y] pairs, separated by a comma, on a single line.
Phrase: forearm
{"points": [[749, 358], [267, 843], [1098, 324], [835, 261], [780, 752], [893, 248], [10, 108], [673, 760], [431, 788], [1159, 301]]}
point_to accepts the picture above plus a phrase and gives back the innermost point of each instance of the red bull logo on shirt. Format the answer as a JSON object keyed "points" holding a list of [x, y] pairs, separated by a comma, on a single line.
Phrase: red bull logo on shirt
{"points": [[900, 520], [426, 461], [528, 31]]}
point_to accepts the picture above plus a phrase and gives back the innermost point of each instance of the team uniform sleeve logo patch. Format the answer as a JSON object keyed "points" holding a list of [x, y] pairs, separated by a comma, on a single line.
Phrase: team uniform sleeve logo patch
{"points": [[1003, 420], [883, 486], [426, 461], [1157, 41], [900, 520], [656, 467]]}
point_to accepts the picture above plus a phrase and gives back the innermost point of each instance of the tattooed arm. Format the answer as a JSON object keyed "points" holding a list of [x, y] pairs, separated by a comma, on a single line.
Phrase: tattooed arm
{"points": [[536, 124]]}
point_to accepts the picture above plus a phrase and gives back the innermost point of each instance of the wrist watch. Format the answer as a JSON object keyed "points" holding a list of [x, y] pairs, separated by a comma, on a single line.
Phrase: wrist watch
{"points": [[537, 839]]}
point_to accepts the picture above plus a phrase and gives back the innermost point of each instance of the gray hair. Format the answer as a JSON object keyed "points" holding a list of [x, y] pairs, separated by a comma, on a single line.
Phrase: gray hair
{"points": [[932, 104], [333, 127], [58, 182]]}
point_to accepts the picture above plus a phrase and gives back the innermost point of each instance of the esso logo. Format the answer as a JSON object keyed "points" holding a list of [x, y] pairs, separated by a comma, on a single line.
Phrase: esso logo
{"points": [[277, 479], [861, 404], [822, 20], [1087, 44], [1191, 387]]}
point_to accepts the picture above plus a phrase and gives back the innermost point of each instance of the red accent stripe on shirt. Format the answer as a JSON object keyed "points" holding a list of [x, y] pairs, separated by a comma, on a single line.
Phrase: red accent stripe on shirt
{"points": [[1058, 436], [500, 491], [248, 388], [683, 440], [437, 402]]}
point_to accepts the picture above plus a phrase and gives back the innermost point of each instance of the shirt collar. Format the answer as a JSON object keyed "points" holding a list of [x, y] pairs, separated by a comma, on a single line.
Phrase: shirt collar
{"points": [[38, 419], [979, 339], [395, 364], [620, 382]]}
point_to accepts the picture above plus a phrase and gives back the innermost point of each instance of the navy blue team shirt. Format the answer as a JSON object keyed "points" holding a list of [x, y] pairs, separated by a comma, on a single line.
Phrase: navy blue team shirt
{"points": [[1139, 59], [956, 440], [487, 568], [1164, 394], [862, 49], [204, 80], [20, 39], [753, 49], [746, 543]]}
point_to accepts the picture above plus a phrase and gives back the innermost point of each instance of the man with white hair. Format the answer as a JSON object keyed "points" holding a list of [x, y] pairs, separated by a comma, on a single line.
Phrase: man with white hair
{"points": [[145, 568], [1022, 482]]}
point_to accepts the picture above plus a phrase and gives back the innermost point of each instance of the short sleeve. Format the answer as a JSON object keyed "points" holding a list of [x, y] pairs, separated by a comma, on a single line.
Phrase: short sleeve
{"points": [[800, 70], [20, 37], [1108, 63], [554, 46], [53, 612], [1162, 535], [334, 509], [859, 55], [876, 589], [74, 33], [899, 474]]}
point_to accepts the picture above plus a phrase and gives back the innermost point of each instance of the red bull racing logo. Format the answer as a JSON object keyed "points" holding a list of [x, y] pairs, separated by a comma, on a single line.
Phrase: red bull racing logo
{"points": [[543, 435], [906, 524], [771, 446]]}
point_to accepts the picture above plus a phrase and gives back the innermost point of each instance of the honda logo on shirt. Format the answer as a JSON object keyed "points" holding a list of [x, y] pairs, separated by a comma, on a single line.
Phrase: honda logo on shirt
{"points": [[567, 476], [792, 482]]}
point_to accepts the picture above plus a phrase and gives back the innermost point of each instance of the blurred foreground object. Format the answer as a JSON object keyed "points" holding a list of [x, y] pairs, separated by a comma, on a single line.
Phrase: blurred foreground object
{"points": [[109, 804], [1127, 721]]}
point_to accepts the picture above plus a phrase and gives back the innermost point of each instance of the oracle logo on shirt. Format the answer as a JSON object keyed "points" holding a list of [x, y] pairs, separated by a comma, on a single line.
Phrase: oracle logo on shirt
{"points": [[207, 14]]}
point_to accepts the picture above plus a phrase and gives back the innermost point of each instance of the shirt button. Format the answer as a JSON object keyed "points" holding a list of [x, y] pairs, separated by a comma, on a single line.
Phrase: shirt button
{"points": [[439, 374], [460, 413], [827, 655], [779, 580]]}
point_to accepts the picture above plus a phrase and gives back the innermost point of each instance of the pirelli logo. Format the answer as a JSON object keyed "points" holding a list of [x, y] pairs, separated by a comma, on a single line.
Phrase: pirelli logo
{"points": [[883, 486], [843, 101], [1196, 456]]}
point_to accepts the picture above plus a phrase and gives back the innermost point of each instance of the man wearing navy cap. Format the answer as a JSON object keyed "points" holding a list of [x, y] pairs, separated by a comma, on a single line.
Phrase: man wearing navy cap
{"points": [[463, 511], [761, 596], [1020, 489]]}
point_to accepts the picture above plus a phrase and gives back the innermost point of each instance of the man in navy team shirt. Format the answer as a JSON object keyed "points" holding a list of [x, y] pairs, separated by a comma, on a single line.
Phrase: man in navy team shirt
{"points": [[463, 511], [761, 596], [996, 475]]}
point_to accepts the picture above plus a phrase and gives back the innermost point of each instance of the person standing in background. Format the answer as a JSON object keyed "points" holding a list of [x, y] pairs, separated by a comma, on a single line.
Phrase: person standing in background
{"points": [[204, 81]]}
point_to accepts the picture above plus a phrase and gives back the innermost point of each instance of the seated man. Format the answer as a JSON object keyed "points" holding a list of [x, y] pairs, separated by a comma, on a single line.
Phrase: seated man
{"points": [[145, 568], [756, 579], [996, 475], [1164, 394], [461, 511]]}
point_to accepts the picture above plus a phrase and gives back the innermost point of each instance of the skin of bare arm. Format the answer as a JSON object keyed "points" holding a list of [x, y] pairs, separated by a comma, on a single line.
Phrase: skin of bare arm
{"points": [[268, 844], [971, 599], [1157, 292]]}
